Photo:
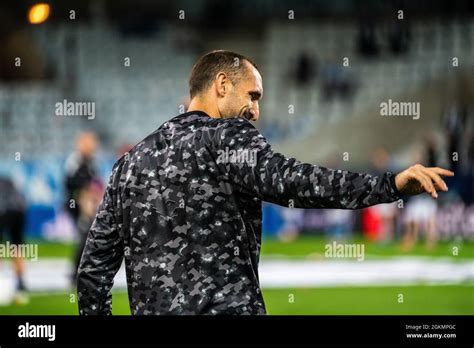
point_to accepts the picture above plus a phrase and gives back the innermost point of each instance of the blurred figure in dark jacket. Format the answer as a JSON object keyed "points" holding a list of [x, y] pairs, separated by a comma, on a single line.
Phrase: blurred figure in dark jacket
{"points": [[80, 169], [12, 221]]}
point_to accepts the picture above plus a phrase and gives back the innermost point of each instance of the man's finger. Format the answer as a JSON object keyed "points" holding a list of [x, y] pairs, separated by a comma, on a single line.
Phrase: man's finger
{"points": [[441, 171], [436, 178], [425, 181]]}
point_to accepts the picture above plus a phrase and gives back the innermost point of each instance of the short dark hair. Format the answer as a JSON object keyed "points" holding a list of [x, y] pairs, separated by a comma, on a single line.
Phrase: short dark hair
{"points": [[210, 64]]}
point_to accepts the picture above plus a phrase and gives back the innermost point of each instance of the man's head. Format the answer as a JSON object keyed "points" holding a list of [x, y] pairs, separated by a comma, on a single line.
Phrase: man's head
{"points": [[86, 144], [226, 84]]}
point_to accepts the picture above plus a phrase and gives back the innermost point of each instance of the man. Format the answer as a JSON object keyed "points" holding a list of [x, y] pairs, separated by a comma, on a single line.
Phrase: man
{"points": [[12, 221], [183, 207], [80, 170]]}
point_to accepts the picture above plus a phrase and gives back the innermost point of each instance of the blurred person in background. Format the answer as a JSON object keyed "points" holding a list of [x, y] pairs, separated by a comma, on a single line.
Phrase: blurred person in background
{"points": [[80, 171], [306, 69], [454, 123], [336, 81], [420, 213], [12, 220], [302, 72], [367, 36], [468, 193], [398, 36]]}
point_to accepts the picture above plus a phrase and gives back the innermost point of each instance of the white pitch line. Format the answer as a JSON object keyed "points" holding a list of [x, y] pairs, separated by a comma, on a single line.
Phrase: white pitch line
{"points": [[300, 273], [53, 274]]}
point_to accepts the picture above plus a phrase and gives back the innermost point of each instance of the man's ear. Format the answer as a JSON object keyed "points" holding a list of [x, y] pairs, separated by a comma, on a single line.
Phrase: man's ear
{"points": [[221, 84]]}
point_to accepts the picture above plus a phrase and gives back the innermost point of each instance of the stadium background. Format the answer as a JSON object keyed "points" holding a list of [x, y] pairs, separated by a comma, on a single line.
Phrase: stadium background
{"points": [[326, 66]]}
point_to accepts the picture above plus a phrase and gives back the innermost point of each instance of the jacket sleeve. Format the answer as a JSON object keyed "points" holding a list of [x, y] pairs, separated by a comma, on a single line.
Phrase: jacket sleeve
{"points": [[101, 258], [253, 167]]}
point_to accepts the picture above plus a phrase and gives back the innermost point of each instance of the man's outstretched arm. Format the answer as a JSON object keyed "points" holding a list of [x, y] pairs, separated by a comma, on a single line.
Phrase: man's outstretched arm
{"points": [[101, 258], [281, 180]]}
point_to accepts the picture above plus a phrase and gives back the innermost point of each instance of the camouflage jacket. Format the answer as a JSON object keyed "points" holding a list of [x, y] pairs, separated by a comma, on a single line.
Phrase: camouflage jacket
{"points": [[183, 208]]}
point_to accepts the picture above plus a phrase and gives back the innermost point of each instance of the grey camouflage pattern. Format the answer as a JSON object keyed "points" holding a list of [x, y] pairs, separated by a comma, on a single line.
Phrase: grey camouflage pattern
{"points": [[189, 225]]}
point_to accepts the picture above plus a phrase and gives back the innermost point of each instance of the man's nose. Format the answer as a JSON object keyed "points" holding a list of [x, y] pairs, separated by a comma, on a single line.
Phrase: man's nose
{"points": [[255, 111]]}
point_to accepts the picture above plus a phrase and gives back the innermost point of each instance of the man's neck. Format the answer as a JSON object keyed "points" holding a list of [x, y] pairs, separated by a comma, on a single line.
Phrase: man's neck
{"points": [[198, 105]]}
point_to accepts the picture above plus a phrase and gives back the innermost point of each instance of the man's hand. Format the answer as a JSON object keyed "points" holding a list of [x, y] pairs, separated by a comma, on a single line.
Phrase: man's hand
{"points": [[418, 179]]}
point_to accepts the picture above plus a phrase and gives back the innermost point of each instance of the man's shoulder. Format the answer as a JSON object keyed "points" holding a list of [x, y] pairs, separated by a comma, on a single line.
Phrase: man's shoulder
{"points": [[184, 125], [196, 118]]}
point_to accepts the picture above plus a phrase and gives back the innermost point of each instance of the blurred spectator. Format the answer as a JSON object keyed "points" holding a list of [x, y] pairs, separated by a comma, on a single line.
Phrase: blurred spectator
{"points": [[399, 36], [431, 151], [467, 193], [12, 220], [336, 81], [420, 211], [454, 123], [80, 169], [306, 69], [367, 37]]}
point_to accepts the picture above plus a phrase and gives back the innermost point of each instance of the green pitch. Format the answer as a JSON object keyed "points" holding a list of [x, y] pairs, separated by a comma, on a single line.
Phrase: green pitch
{"points": [[437, 300], [419, 299], [314, 248], [311, 247]]}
